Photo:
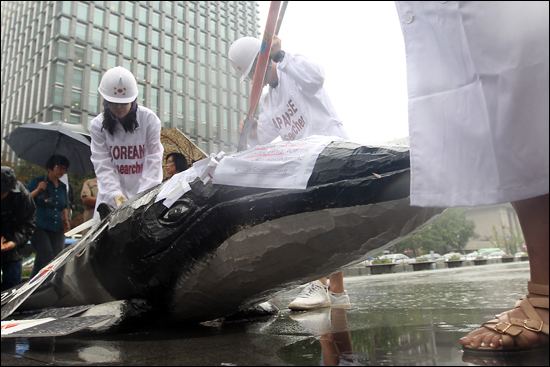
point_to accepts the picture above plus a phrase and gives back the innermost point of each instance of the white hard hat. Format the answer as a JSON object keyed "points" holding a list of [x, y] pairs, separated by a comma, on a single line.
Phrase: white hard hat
{"points": [[242, 54], [118, 85]]}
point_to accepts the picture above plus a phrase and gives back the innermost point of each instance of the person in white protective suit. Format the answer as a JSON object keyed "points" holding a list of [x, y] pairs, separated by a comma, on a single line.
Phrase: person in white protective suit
{"points": [[477, 79], [296, 106], [126, 148]]}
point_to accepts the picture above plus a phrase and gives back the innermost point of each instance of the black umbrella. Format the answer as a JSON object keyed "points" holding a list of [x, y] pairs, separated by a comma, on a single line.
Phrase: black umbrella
{"points": [[35, 143]]}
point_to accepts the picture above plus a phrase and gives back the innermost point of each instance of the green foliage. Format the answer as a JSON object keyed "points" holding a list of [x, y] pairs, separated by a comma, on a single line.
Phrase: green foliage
{"points": [[454, 257], [451, 231], [509, 241], [381, 261]]}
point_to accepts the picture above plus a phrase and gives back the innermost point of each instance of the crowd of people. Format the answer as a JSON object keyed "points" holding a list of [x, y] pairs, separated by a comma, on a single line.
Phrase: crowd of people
{"points": [[478, 133]]}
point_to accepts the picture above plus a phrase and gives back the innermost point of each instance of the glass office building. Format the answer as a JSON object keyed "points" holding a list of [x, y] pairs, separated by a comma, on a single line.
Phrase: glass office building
{"points": [[55, 52]]}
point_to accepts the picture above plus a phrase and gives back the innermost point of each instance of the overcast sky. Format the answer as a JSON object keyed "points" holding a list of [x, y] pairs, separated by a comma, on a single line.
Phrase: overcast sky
{"points": [[361, 49]]}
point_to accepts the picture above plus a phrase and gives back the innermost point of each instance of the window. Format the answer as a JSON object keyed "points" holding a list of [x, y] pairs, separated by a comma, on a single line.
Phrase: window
{"points": [[141, 93], [76, 82], [142, 52], [180, 30], [179, 84], [129, 11], [128, 28], [140, 74], [156, 20], [113, 43], [167, 80], [167, 108], [59, 74], [79, 55], [181, 13], [143, 15], [180, 47], [203, 92], [57, 95], [168, 8], [154, 76], [98, 17], [192, 52], [97, 37], [113, 23], [191, 69], [179, 112], [82, 12], [66, 7], [155, 57], [142, 34], [81, 31], [64, 26], [62, 48], [128, 48], [156, 38], [167, 25], [114, 6], [168, 43], [111, 61], [96, 58], [192, 117], [154, 100], [179, 65], [168, 61], [127, 64], [74, 118]]}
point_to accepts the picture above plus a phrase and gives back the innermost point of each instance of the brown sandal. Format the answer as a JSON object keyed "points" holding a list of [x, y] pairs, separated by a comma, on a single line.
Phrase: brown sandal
{"points": [[512, 340]]}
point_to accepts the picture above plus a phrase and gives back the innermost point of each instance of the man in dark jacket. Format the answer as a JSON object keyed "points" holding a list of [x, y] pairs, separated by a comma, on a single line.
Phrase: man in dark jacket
{"points": [[18, 222]]}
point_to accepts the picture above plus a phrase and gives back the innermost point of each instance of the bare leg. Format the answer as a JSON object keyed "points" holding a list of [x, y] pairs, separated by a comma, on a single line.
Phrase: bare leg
{"points": [[533, 217], [336, 282]]}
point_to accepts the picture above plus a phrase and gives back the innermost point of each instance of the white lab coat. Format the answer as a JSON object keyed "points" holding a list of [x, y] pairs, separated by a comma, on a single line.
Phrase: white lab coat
{"points": [[299, 106], [477, 78], [126, 163]]}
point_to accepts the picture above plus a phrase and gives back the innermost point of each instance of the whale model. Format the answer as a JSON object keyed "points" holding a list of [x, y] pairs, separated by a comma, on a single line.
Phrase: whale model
{"points": [[220, 249]]}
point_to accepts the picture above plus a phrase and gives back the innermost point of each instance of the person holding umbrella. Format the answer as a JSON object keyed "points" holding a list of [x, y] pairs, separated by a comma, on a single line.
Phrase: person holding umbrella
{"points": [[126, 148], [52, 217]]}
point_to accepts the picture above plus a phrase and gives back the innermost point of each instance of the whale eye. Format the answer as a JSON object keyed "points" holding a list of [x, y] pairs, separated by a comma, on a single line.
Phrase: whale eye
{"points": [[175, 213]]}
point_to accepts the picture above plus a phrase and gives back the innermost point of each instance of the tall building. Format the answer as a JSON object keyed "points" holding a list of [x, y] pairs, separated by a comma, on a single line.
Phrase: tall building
{"points": [[55, 52]]}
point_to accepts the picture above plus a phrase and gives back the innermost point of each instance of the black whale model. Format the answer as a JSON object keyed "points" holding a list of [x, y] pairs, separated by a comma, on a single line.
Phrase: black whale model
{"points": [[221, 249]]}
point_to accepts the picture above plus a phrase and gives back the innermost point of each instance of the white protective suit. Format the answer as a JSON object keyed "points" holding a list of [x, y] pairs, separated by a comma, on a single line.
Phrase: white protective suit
{"points": [[299, 106], [126, 163], [477, 78]]}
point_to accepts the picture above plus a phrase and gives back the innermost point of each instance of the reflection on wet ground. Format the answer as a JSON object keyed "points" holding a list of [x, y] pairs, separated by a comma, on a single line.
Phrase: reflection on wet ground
{"points": [[395, 319]]}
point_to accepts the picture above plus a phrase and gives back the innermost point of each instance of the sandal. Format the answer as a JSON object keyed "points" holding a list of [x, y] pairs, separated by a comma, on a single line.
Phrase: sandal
{"points": [[512, 341]]}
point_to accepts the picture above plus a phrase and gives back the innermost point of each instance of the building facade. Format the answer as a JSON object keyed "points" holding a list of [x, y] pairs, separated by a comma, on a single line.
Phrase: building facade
{"points": [[55, 52]]}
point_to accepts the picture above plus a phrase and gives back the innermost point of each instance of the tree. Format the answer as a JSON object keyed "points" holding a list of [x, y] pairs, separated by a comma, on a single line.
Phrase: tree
{"points": [[509, 241], [451, 231]]}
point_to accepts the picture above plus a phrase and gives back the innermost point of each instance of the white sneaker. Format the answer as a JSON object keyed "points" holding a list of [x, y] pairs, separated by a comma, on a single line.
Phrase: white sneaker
{"points": [[315, 322], [340, 302], [313, 296]]}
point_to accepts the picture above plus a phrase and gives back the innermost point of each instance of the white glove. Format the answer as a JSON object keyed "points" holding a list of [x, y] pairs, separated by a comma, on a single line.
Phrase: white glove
{"points": [[119, 199]]}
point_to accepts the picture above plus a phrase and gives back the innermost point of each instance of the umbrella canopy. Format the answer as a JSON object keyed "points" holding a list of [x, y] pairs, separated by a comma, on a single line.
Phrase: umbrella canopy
{"points": [[36, 143], [75, 128], [174, 141]]}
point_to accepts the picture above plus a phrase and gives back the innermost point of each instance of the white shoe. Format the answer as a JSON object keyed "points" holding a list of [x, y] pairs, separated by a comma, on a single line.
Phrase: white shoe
{"points": [[314, 295], [315, 322], [340, 302]]}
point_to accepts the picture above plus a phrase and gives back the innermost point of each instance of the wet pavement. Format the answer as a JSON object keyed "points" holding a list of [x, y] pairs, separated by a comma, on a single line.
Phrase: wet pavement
{"points": [[413, 318]]}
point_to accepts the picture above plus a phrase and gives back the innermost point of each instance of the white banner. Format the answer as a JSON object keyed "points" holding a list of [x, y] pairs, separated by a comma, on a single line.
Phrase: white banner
{"points": [[281, 165], [178, 185]]}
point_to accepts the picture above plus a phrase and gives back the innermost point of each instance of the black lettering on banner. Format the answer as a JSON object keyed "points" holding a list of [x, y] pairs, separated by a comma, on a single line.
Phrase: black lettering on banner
{"points": [[123, 152], [116, 152]]}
